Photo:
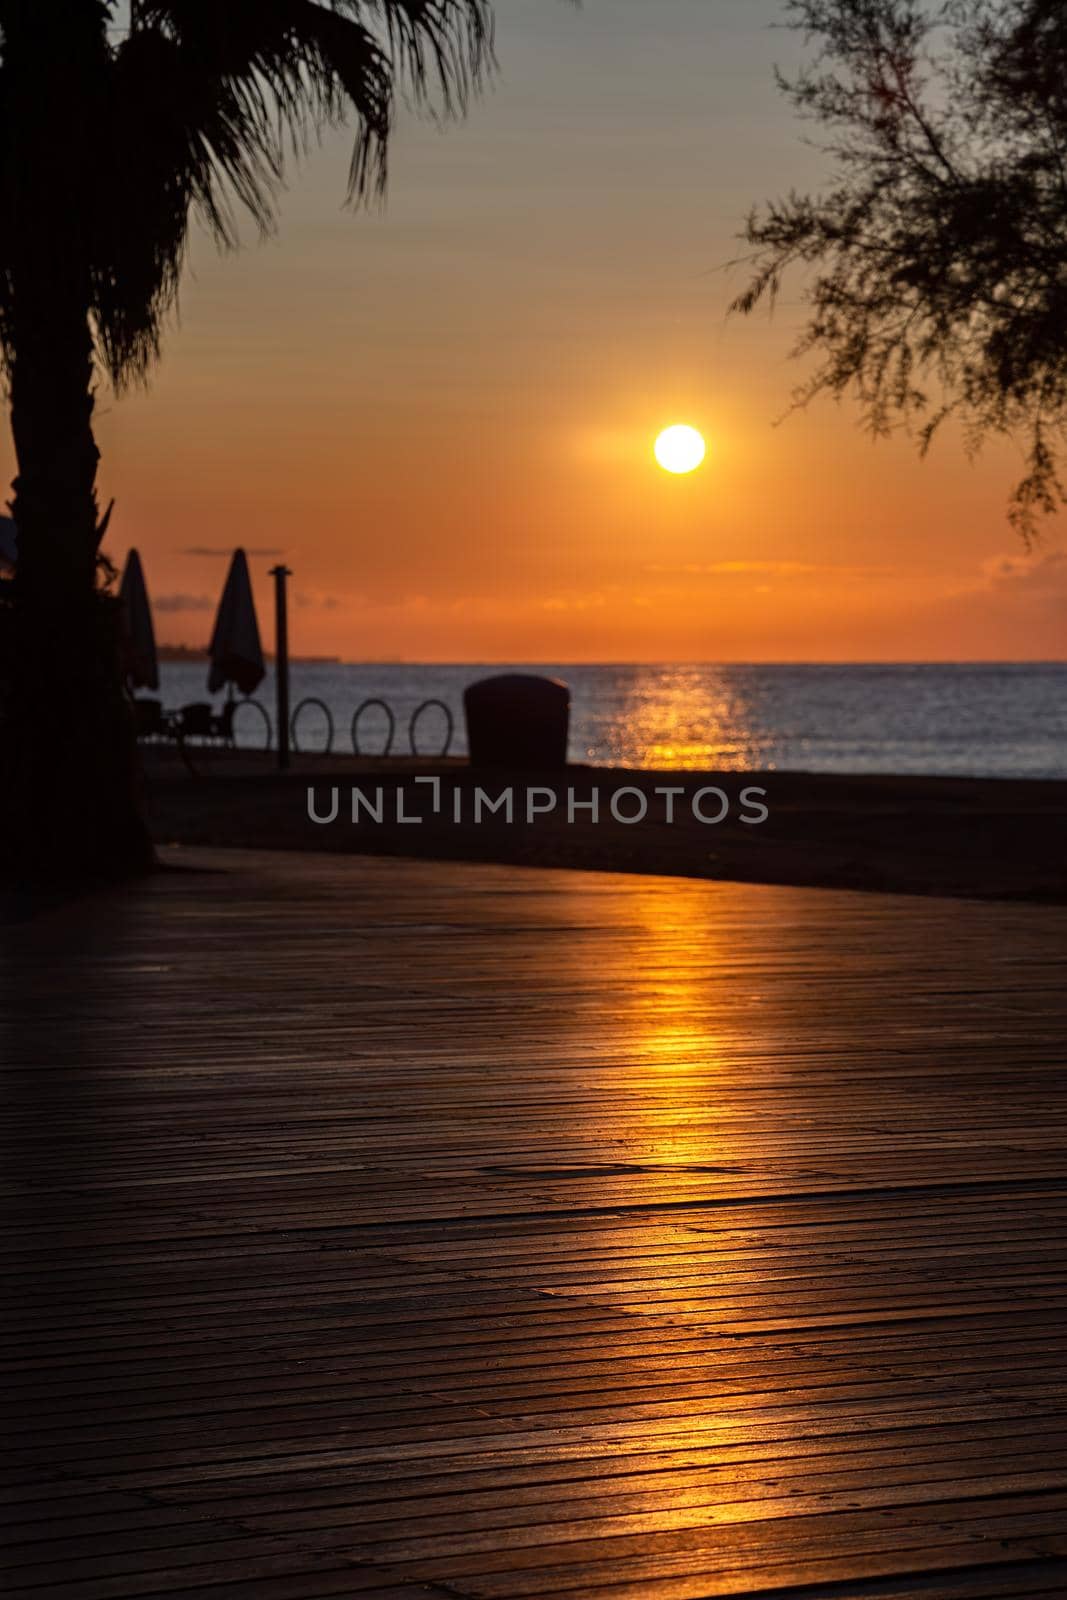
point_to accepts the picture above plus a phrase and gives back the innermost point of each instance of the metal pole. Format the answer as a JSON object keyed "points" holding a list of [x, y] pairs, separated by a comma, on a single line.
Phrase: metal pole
{"points": [[281, 662]]}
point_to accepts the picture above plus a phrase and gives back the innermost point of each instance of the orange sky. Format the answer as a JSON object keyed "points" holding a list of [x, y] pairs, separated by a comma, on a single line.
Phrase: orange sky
{"points": [[443, 414]]}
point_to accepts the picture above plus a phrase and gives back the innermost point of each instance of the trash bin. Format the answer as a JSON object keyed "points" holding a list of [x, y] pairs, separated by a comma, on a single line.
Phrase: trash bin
{"points": [[518, 720]]}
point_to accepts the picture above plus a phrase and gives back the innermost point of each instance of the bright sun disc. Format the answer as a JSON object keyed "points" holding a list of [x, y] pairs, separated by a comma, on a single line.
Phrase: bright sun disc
{"points": [[680, 449]]}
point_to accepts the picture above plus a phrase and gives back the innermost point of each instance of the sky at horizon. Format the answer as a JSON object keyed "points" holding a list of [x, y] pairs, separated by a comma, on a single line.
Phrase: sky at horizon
{"points": [[442, 414]]}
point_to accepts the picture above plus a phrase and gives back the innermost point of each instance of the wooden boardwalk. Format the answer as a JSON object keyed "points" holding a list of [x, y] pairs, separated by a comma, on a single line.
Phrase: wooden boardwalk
{"points": [[386, 1229]]}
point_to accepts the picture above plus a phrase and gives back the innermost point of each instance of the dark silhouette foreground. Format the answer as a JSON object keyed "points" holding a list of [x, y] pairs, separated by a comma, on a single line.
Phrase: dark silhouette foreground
{"points": [[110, 143], [987, 838]]}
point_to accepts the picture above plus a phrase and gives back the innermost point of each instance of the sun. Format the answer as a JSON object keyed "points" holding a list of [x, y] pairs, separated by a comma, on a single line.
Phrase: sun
{"points": [[680, 449]]}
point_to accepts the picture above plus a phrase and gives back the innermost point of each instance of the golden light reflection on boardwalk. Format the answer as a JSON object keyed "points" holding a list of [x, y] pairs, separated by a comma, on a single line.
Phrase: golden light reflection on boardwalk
{"points": [[386, 1228]]}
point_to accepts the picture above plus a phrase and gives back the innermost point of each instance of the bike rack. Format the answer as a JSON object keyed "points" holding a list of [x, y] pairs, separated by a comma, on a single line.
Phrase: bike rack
{"points": [[430, 705], [264, 713], [312, 700], [367, 705]]}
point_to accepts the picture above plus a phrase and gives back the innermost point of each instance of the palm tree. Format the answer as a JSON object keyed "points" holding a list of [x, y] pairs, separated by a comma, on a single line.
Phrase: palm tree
{"points": [[113, 139]]}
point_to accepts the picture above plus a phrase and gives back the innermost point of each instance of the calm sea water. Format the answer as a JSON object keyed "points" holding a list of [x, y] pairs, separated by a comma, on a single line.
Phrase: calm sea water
{"points": [[967, 720]]}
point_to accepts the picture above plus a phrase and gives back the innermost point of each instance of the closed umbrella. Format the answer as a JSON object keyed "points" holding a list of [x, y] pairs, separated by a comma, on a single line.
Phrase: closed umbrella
{"points": [[9, 551], [139, 638], [235, 650]]}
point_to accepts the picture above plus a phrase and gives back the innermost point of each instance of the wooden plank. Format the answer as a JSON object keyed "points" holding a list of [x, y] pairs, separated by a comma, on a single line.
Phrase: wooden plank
{"points": [[394, 1229]]}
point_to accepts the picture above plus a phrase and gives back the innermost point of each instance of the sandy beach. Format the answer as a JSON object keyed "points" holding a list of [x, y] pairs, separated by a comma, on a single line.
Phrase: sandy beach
{"points": [[990, 839]]}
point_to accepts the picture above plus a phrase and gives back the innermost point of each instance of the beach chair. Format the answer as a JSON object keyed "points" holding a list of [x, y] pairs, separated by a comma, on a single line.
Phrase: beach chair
{"points": [[148, 719], [222, 724], [195, 721]]}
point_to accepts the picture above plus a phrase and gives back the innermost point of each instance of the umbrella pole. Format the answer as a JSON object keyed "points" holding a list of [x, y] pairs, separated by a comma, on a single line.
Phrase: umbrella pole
{"points": [[281, 661]]}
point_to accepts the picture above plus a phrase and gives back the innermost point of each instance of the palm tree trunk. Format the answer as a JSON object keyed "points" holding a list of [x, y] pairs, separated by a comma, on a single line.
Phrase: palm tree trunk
{"points": [[70, 758], [71, 787]]}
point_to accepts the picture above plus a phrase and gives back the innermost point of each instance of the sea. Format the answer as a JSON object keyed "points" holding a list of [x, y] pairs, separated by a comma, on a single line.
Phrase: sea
{"points": [[969, 720]]}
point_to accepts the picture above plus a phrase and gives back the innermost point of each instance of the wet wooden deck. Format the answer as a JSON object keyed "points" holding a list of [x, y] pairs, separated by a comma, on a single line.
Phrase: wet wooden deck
{"points": [[384, 1229]]}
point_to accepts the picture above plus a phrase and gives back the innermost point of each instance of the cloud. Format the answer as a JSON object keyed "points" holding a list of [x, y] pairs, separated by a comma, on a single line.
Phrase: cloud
{"points": [[691, 569], [576, 602], [1014, 607], [323, 602], [183, 602], [1015, 583], [1022, 577], [761, 569], [227, 550]]}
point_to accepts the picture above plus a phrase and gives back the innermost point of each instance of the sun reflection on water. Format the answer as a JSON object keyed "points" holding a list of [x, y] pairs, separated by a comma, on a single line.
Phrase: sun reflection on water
{"points": [[688, 719]]}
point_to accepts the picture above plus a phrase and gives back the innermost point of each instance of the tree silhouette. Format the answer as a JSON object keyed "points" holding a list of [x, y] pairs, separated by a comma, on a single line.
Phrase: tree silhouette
{"points": [[112, 141], [937, 259]]}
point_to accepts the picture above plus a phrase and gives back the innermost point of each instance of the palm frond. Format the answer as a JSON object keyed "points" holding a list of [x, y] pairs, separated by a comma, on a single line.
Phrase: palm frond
{"points": [[294, 67], [208, 102]]}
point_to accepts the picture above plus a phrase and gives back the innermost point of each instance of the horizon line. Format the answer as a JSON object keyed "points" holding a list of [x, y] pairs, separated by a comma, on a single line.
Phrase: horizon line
{"points": [[306, 659]]}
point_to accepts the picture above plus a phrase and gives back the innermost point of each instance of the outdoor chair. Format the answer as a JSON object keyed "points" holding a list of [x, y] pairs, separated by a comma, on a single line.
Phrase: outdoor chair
{"points": [[148, 719], [222, 723], [196, 721]]}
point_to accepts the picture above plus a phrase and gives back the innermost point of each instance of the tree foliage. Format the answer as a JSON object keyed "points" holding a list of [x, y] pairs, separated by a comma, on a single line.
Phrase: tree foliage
{"points": [[936, 260], [198, 105]]}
